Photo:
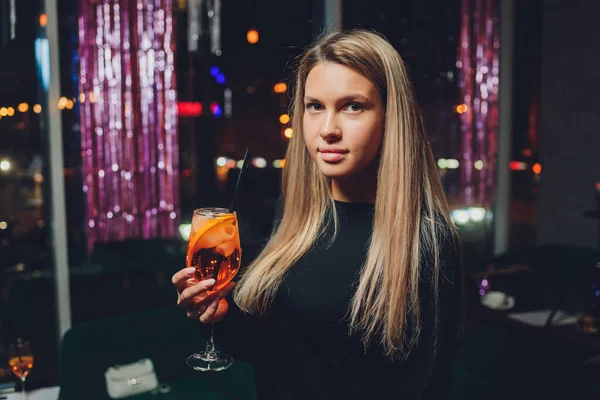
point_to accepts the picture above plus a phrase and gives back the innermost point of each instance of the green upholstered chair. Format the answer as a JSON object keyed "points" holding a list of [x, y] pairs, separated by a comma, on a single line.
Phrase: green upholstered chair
{"points": [[165, 336]]}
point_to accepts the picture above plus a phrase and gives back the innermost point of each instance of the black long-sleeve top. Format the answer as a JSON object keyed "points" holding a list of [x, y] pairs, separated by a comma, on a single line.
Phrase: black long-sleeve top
{"points": [[302, 348]]}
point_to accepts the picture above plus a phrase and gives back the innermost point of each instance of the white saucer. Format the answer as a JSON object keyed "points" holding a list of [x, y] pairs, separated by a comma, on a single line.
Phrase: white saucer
{"points": [[497, 301]]}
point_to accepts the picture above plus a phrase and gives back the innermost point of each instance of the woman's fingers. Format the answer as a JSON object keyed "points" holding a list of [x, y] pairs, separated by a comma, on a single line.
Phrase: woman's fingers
{"points": [[221, 311], [180, 278], [190, 294], [206, 317]]}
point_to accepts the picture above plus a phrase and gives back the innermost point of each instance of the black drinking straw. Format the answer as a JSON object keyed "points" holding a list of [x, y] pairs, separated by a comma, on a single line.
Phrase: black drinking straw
{"points": [[239, 179]]}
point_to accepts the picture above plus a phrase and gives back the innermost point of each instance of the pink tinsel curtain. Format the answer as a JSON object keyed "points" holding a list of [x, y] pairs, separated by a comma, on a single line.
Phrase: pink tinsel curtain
{"points": [[128, 119], [478, 63]]}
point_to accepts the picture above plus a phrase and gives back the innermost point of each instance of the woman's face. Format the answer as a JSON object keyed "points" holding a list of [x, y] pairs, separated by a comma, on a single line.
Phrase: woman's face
{"points": [[343, 120]]}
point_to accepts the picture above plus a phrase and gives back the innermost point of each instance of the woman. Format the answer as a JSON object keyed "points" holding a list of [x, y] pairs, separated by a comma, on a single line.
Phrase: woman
{"points": [[356, 294]]}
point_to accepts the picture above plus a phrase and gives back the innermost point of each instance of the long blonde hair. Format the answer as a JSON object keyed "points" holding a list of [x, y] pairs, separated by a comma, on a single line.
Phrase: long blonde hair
{"points": [[410, 206]]}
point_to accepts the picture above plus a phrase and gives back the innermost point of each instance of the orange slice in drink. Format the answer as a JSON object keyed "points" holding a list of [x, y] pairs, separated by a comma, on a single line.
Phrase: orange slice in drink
{"points": [[195, 241]]}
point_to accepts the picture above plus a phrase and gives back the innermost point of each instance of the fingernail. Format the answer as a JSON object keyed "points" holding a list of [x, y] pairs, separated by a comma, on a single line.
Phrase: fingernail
{"points": [[214, 304], [190, 270], [209, 282]]}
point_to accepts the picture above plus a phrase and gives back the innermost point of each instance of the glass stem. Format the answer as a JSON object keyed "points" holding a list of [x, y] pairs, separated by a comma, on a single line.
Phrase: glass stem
{"points": [[210, 352], [23, 388]]}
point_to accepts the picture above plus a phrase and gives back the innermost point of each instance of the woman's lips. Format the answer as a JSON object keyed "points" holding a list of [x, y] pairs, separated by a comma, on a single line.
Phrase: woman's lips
{"points": [[332, 154], [332, 157]]}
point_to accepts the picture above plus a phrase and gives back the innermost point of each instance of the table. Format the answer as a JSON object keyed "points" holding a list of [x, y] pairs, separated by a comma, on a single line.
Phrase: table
{"points": [[49, 393], [529, 295]]}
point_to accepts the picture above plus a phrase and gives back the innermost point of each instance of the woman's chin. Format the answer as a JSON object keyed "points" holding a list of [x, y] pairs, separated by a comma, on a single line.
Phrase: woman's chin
{"points": [[335, 171]]}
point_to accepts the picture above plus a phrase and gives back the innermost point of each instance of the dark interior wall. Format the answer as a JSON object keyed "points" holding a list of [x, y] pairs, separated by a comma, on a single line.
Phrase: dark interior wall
{"points": [[570, 121]]}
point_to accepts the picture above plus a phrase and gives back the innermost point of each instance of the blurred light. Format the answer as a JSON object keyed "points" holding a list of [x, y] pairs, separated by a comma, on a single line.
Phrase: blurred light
{"points": [[182, 4], [37, 108], [221, 79], [42, 60], [461, 108], [221, 161], [259, 162], [288, 132], [82, 97], [283, 163], [215, 109], [3, 111], [23, 107], [280, 87], [228, 105], [460, 216], [92, 97], [284, 118], [10, 111], [62, 103], [69, 104], [184, 231], [479, 165], [4, 165], [3, 225], [214, 71], [252, 36], [477, 214], [277, 164], [230, 163], [452, 163], [537, 168], [527, 152], [517, 166], [43, 20], [240, 164], [189, 108], [442, 163], [222, 174], [38, 178]]}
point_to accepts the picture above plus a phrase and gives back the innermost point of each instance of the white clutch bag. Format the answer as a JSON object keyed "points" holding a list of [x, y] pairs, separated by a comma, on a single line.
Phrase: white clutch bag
{"points": [[130, 379]]}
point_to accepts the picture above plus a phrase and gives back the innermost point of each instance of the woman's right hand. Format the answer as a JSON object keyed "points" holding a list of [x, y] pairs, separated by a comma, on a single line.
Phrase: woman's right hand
{"points": [[193, 296]]}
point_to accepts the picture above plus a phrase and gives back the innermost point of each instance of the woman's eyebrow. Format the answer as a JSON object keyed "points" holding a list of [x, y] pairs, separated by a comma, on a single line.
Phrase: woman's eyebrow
{"points": [[350, 97]]}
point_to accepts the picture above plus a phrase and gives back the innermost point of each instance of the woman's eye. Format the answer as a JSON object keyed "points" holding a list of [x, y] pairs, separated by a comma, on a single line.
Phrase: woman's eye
{"points": [[354, 107], [313, 107]]}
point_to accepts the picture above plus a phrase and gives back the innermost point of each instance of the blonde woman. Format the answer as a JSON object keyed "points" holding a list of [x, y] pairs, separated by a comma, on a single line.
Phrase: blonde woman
{"points": [[356, 294]]}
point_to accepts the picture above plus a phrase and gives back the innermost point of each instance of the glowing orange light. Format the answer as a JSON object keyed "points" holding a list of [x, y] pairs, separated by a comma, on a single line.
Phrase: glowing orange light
{"points": [[10, 111], [282, 163], [288, 133], [69, 104], [43, 20], [37, 108], [23, 107], [280, 87], [284, 118], [62, 103], [527, 152], [461, 108], [537, 168], [517, 166], [252, 36]]}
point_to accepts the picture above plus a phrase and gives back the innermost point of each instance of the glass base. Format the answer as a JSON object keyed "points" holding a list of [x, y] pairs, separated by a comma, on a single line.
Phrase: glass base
{"points": [[218, 362]]}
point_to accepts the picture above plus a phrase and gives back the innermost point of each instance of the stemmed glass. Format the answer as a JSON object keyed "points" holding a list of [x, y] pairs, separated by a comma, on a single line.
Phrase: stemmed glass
{"points": [[214, 250], [20, 360]]}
